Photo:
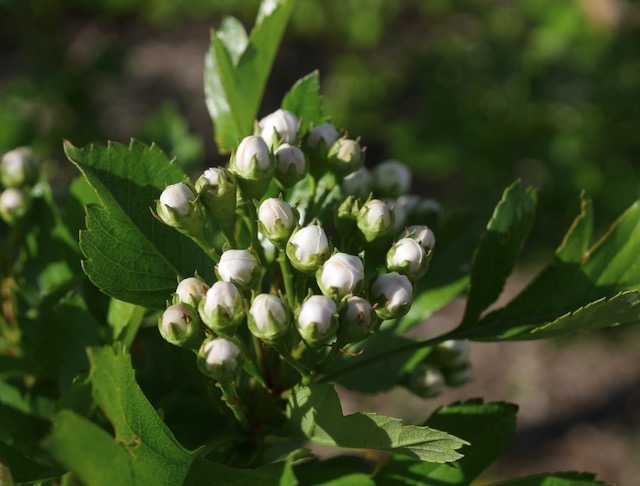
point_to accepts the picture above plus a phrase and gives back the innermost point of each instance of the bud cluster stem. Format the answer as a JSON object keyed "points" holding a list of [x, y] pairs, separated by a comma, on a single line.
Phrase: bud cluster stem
{"points": [[287, 277], [230, 397], [286, 354]]}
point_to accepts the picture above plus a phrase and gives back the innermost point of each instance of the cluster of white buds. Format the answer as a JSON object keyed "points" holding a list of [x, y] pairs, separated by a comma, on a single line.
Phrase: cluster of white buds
{"points": [[19, 171], [289, 189]]}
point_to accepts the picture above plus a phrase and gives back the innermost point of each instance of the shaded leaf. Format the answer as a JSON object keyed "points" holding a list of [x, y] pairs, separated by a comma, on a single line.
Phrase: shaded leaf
{"points": [[315, 412], [25, 469], [130, 255], [555, 479]]}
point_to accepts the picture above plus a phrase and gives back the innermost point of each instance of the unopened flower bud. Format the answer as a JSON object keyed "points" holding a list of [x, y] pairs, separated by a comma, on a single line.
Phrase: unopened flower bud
{"points": [[6, 478], [14, 204], [427, 211], [190, 291], [345, 156], [325, 133], [357, 320], [457, 376], [222, 308], [268, 319], [423, 235], [375, 220], [357, 184], [278, 127], [308, 248], [240, 267], [217, 190], [18, 168], [179, 208], [180, 325], [342, 274], [393, 294], [276, 220], [220, 359], [451, 354], [399, 214], [253, 165], [317, 320], [347, 216], [407, 257], [425, 380], [291, 164], [391, 178]]}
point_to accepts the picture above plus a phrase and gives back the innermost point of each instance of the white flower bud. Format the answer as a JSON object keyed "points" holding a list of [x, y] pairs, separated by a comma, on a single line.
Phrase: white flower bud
{"points": [[291, 164], [6, 478], [423, 235], [276, 219], [393, 294], [358, 183], [345, 156], [425, 380], [240, 267], [342, 274], [179, 208], [222, 308], [407, 257], [217, 190], [219, 359], [375, 219], [357, 320], [458, 376], [180, 326], [317, 320], [280, 126], [325, 132], [451, 354], [19, 168], [308, 248], [268, 318], [190, 291], [253, 165], [392, 178], [13, 204]]}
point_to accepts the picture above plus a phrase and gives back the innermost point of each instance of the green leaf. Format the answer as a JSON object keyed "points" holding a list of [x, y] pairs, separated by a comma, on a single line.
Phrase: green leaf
{"points": [[336, 471], [237, 69], [305, 101], [205, 473], [315, 413], [25, 469], [499, 249], [584, 287], [129, 254], [489, 427], [124, 319], [555, 479]]}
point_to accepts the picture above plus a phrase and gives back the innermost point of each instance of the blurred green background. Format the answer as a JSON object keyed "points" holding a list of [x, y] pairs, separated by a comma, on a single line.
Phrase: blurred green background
{"points": [[471, 94]]}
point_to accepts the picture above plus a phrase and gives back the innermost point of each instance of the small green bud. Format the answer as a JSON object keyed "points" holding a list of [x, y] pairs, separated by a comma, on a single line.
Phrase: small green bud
{"points": [[217, 190], [342, 274], [391, 179], [347, 216], [357, 320], [407, 257], [190, 291], [281, 126], [393, 294], [357, 184], [317, 143], [19, 168], [179, 207], [458, 376], [14, 204], [375, 220], [253, 165], [268, 318], [220, 359], [345, 156], [451, 354], [180, 325], [240, 267], [317, 320], [222, 309], [308, 248], [291, 165], [276, 220], [425, 380]]}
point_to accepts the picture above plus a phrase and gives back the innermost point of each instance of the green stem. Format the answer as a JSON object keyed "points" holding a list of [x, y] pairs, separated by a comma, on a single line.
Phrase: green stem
{"points": [[230, 397], [286, 354], [208, 248], [253, 231], [329, 358], [216, 444], [287, 276]]}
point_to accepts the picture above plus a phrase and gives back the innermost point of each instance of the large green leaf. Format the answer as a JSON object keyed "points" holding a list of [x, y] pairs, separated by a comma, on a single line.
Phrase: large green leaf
{"points": [[305, 101], [315, 413], [555, 479], [488, 427], [584, 287], [499, 249], [129, 254], [237, 67]]}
